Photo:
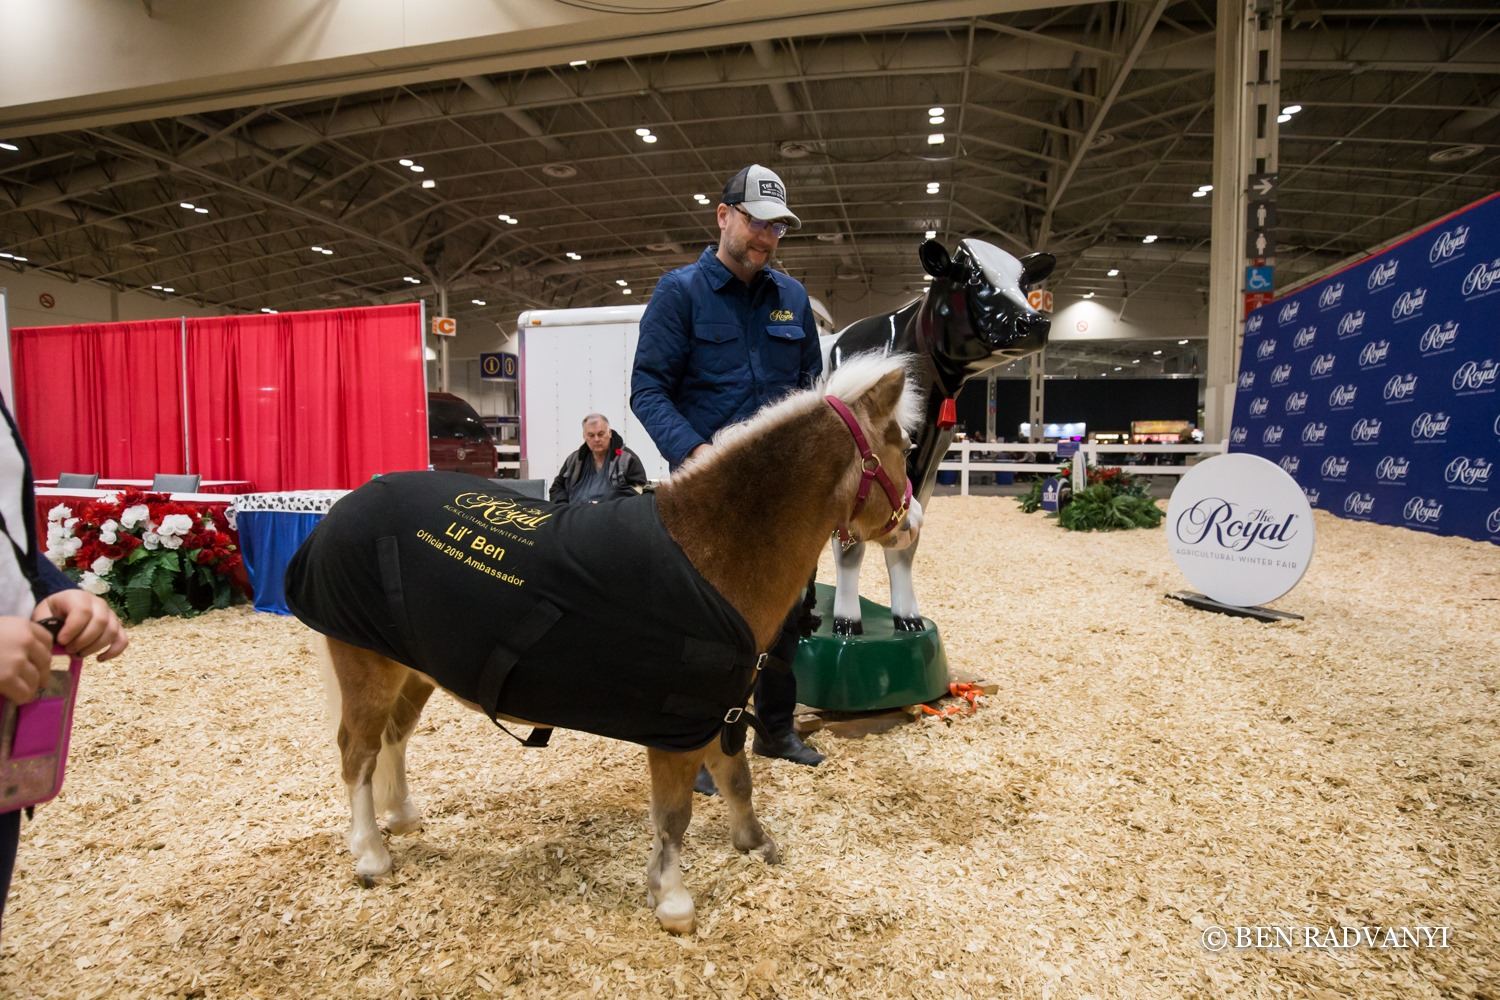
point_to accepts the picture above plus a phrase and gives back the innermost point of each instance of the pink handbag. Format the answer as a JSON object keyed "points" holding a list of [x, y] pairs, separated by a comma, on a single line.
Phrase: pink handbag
{"points": [[34, 736]]}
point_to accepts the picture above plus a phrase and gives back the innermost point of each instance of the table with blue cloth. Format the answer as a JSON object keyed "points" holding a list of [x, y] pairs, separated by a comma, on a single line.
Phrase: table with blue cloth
{"points": [[271, 527]]}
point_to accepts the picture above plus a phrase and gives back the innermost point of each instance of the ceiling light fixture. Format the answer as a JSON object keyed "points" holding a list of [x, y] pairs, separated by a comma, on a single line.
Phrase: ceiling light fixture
{"points": [[429, 184], [317, 249], [168, 288], [1200, 194], [573, 256], [1205, 187], [935, 139], [933, 187], [576, 63], [1088, 295], [1155, 353], [1283, 119], [267, 309], [479, 302], [1181, 342], [936, 120], [154, 288], [1136, 361], [417, 168], [931, 234], [1113, 272], [10, 147], [627, 291], [1118, 368], [935, 111], [1291, 109], [643, 132], [1149, 239], [185, 204], [404, 162], [621, 282], [201, 210], [648, 139]]}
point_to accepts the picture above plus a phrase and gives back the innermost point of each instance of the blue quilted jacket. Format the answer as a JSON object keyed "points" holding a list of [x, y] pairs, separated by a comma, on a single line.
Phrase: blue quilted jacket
{"points": [[713, 350]]}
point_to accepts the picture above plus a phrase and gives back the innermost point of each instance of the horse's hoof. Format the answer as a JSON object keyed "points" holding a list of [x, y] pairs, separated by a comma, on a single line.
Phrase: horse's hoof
{"points": [[367, 881], [402, 823], [848, 626], [769, 852], [909, 624], [677, 915]]}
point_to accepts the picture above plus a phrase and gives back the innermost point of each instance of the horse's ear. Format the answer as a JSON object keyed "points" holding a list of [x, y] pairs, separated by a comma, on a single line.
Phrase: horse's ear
{"points": [[1035, 267], [935, 259], [886, 393]]}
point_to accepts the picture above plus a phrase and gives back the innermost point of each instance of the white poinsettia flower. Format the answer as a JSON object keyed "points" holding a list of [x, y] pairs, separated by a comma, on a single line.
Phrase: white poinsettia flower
{"points": [[171, 541], [135, 515], [56, 533], [70, 522], [102, 565], [93, 584], [151, 540], [109, 532], [57, 556], [175, 524], [60, 513], [71, 546]]}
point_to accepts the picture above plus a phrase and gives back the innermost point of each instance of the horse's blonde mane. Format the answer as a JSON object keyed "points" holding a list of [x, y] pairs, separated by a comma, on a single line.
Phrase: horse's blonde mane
{"points": [[852, 379]]}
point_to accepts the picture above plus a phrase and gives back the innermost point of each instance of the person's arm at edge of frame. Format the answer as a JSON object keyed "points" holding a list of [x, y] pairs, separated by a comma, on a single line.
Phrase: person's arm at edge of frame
{"points": [[661, 356], [89, 626]]}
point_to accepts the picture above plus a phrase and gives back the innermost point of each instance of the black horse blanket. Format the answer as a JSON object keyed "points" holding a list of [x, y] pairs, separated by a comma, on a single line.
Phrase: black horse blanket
{"points": [[583, 616]]}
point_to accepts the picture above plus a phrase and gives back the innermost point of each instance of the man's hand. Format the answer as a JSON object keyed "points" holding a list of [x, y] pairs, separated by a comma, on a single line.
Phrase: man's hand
{"points": [[25, 658], [89, 626]]}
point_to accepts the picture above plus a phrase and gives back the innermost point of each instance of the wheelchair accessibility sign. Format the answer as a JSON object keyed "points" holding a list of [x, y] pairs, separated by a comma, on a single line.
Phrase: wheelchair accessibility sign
{"points": [[1258, 279], [498, 366]]}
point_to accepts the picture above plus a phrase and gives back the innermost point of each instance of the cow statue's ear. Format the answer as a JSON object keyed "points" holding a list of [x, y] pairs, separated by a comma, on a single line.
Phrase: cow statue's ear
{"points": [[935, 259], [1035, 267]]}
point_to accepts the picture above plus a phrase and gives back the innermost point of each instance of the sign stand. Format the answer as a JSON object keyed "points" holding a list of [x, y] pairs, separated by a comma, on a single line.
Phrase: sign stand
{"points": [[1193, 599]]}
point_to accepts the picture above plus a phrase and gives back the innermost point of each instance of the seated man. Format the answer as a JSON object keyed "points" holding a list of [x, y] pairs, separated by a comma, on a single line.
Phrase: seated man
{"points": [[602, 468]]}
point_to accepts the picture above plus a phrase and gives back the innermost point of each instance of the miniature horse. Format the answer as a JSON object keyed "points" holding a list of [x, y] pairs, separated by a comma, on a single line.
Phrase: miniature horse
{"points": [[751, 518]]}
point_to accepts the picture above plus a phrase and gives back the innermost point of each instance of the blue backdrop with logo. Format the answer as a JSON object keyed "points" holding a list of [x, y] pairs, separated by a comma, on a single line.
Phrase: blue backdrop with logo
{"points": [[1376, 388]]}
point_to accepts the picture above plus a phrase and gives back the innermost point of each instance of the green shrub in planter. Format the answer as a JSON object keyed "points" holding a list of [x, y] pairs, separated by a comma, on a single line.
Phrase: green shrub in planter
{"points": [[1104, 508]]}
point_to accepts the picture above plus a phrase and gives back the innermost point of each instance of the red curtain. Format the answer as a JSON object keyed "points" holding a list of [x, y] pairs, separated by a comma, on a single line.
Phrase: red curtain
{"points": [[101, 397], [311, 400]]}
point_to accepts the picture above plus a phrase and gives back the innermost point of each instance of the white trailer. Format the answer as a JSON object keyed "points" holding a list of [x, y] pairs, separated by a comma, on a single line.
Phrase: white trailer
{"points": [[575, 362]]}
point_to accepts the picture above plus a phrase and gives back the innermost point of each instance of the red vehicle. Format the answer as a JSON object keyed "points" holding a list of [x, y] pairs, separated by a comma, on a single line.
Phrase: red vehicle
{"points": [[458, 441]]}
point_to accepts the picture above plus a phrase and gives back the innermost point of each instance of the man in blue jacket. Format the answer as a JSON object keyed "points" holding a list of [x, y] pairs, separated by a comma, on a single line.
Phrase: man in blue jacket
{"points": [[720, 338]]}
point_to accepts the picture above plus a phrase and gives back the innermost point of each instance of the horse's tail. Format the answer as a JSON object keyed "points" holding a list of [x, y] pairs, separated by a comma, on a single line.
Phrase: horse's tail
{"points": [[333, 697]]}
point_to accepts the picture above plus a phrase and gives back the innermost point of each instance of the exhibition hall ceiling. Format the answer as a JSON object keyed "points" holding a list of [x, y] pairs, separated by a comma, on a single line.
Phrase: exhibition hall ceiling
{"points": [[1080, 130]]}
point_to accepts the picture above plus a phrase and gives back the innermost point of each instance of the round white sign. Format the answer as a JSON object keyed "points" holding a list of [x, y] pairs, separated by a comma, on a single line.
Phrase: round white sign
{"points": [[1240, 529]]}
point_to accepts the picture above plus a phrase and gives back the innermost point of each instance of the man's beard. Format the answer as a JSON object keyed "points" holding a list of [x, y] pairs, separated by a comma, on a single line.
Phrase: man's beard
{"points": [[740, 251]]}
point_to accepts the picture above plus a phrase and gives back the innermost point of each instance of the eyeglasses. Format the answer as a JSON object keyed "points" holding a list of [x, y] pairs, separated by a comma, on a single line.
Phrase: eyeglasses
{"points": [[778, 229]]}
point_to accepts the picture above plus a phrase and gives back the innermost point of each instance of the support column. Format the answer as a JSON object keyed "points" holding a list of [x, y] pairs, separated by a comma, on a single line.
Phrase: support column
{"points": [[1037, 367], [1227, 254], [442, 375]]}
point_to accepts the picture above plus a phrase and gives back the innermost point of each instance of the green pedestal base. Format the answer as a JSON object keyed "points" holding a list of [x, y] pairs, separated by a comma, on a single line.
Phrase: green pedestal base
{"points": [[882, 668]]}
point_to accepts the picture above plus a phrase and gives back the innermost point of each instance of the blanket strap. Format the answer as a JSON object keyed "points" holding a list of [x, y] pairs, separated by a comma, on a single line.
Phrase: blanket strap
{"points": [[502, 659]]}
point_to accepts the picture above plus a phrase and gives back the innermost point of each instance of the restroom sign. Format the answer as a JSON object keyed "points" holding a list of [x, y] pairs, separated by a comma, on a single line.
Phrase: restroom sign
{"points": [[498, 366], [444, 326]]}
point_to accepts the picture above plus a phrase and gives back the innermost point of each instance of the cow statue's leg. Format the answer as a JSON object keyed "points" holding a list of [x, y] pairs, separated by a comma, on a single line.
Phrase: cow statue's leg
{"points": [[846, 616], [732, 776], [904, 613], [671, 810]]}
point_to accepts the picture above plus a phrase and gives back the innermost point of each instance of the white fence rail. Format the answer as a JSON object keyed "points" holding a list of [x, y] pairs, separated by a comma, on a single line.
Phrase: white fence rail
{"points": [[976, 456]]}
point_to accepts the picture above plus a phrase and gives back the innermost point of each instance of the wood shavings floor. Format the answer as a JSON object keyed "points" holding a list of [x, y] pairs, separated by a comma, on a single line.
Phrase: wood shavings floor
{"points": [[1146, 772]]}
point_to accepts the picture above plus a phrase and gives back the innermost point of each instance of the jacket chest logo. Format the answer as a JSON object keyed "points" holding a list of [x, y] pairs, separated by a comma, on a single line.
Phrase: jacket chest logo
{"points": [[782, 316]]}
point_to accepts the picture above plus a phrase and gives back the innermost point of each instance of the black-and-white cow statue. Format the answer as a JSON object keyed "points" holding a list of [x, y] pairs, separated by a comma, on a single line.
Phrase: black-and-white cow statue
{"points": [[974, 316]]}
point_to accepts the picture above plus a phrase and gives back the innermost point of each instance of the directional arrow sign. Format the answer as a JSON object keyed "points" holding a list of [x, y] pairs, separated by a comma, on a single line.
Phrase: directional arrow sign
{"points": [[1263, 185]]}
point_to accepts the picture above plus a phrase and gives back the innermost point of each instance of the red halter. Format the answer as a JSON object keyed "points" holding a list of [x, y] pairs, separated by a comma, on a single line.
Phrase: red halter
{"points": [[871, 471]]}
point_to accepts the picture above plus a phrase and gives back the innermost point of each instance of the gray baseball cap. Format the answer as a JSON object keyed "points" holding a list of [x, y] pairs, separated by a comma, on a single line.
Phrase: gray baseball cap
{"points": [[759, 191]]}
